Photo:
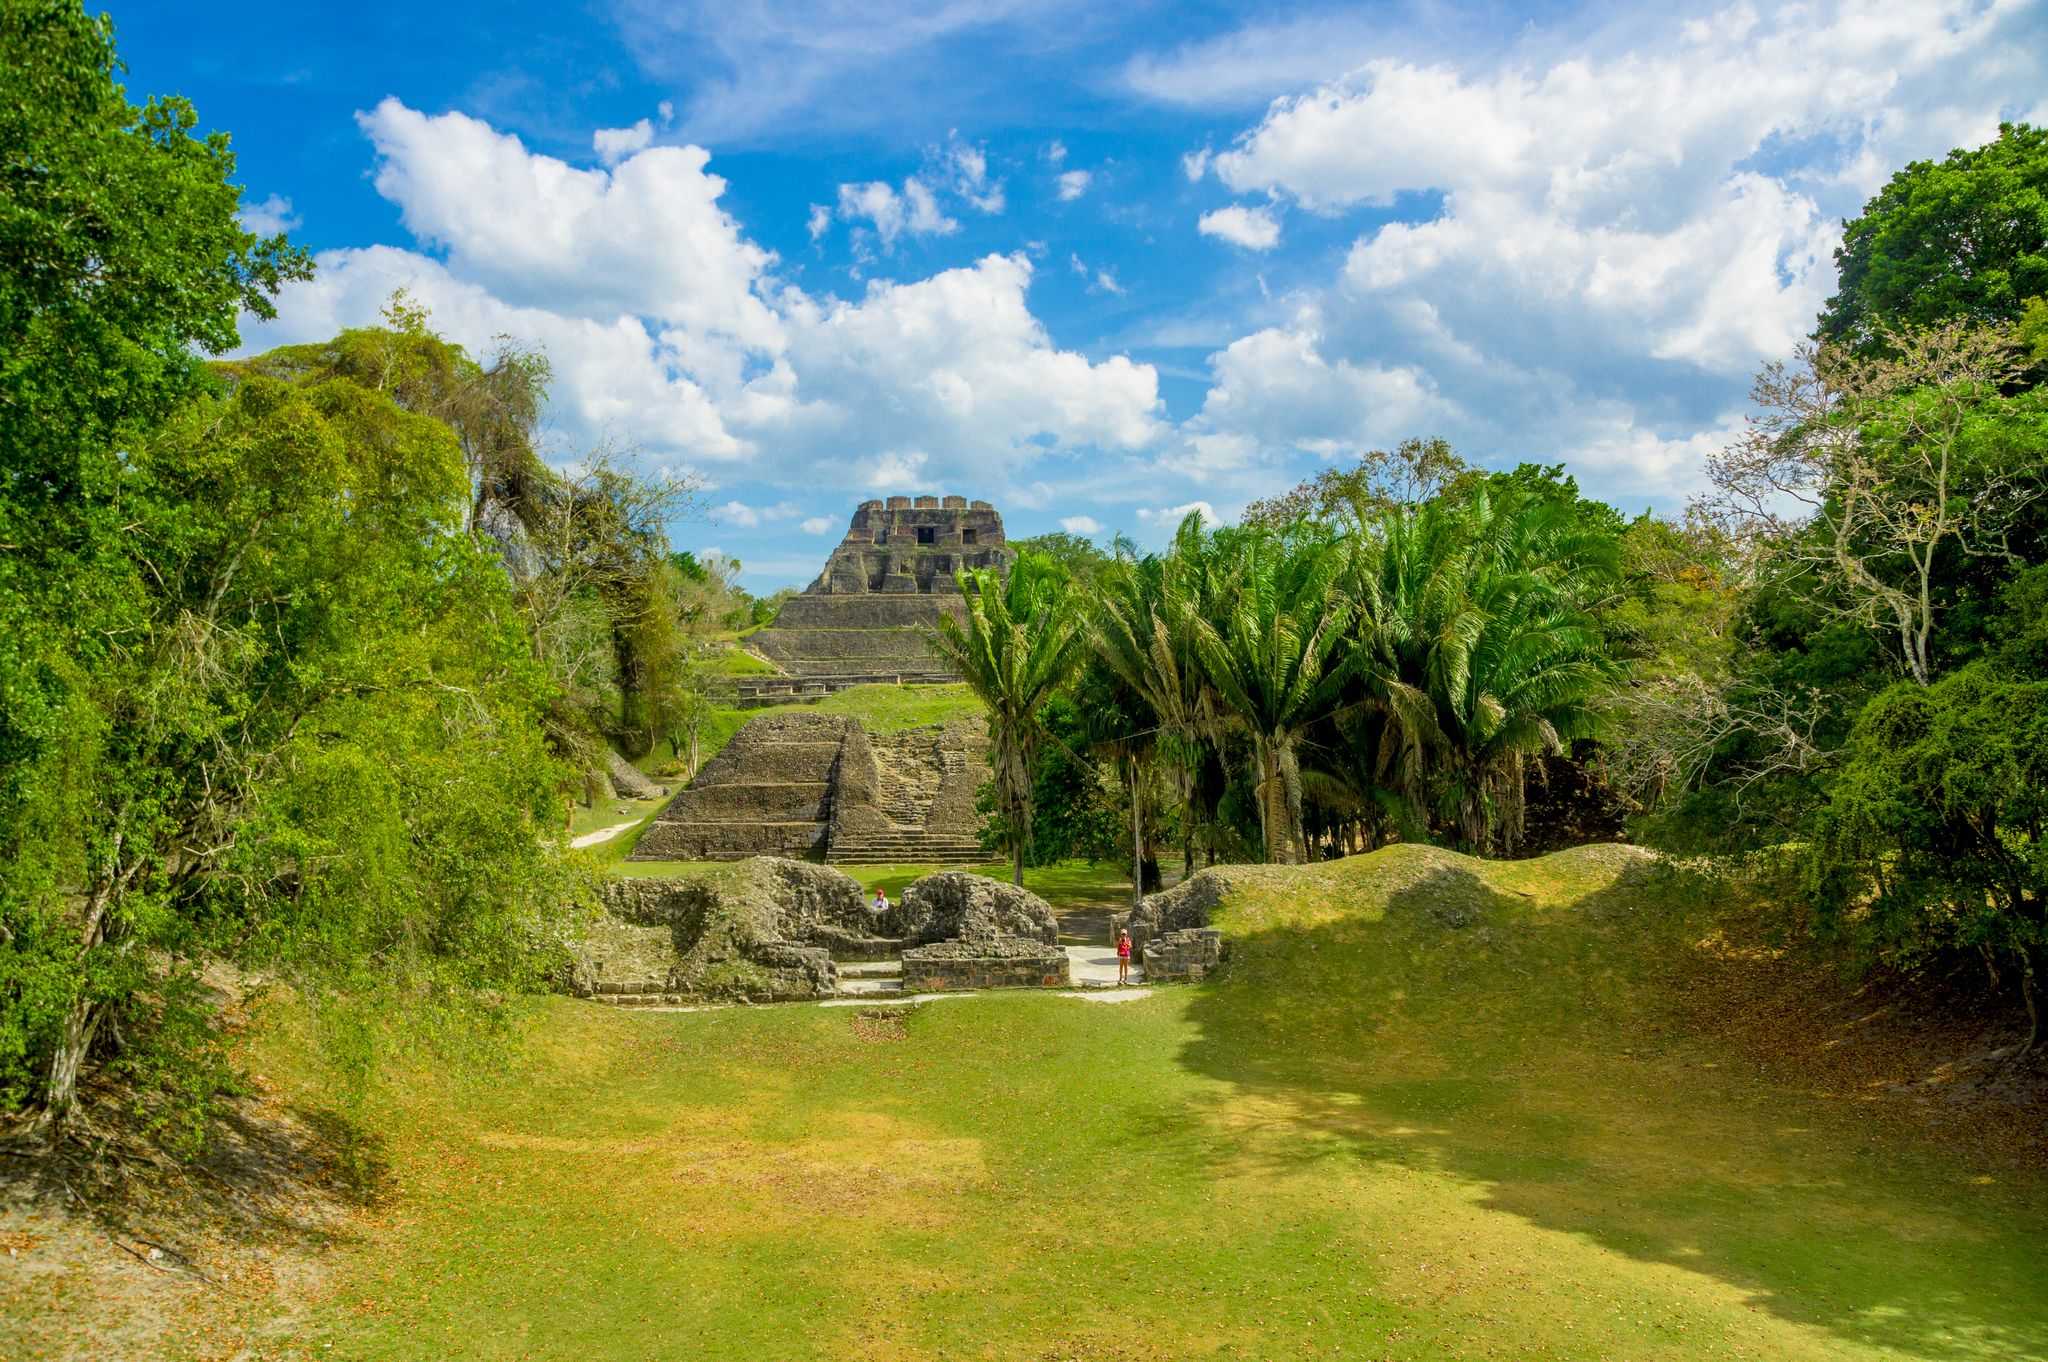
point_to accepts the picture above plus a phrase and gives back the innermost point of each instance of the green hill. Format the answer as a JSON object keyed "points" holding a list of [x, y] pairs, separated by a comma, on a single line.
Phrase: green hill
{"points": [[1433, 1107]]}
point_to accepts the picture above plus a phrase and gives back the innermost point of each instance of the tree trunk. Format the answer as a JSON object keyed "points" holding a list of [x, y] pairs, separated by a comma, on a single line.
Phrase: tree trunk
{"points": [[1272, 805], [1137, 841], [80, 1026], [1017, 861]]}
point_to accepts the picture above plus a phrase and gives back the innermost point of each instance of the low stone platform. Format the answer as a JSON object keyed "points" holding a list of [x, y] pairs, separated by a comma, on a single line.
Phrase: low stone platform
{"points": [[1189, 955], [997, 962]]}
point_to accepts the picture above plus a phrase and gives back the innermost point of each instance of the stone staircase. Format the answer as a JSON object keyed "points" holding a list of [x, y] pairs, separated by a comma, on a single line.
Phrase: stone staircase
{"points": [[871, 979], [912, 769], [908, 846], [638, 993]]}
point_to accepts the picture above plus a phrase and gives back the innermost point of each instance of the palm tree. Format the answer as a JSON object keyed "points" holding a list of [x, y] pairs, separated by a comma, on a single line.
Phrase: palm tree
{"points": [[1274, 653], [1020, 641], [1482, 653], [1141, 627]]}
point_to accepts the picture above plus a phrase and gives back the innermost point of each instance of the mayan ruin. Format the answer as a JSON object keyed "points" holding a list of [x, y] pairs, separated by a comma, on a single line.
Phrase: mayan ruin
{"points": [[820, 786], [865, 618]]}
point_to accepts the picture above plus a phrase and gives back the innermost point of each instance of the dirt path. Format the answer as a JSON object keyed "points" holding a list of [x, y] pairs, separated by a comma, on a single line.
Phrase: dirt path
{"points": [[591, 839]]}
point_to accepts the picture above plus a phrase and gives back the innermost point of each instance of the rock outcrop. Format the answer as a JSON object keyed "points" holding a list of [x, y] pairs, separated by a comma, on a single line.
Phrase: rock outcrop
{"points": [[759, 930], [1170, 931], [775, 930], [954, 905]]}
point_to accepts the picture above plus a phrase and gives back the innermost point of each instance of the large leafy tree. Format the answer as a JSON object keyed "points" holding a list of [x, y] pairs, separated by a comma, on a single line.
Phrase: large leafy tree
{"points": [[1960, 239], [1018, 644], [262, 695], [1142, 627], [1931, 841]]}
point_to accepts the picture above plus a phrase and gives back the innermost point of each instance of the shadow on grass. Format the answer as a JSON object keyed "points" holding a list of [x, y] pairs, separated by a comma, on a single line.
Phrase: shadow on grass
{"points": [[1525, 1050], [269, 1174]]}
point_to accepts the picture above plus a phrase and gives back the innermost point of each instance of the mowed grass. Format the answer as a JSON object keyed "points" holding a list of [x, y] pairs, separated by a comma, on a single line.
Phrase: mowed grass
{"points": [[1435, 1108], [889, 709]]}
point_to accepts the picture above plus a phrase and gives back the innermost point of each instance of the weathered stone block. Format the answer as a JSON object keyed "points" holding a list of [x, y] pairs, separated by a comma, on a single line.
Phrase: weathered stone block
{"points": [[1188, 955], [1187, 904], [761, 930], [953, 904], [996, 962]]}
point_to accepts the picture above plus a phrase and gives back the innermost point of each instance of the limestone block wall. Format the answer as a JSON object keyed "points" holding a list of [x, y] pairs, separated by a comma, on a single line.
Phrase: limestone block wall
{"points": [[884, 588], [768, 793], [1189, 955], [1004, 962], [819, 786]]}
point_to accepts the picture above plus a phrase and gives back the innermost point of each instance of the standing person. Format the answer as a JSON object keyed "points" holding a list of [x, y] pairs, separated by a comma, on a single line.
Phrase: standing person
{"points": [[1123, 957], [880, 905]]}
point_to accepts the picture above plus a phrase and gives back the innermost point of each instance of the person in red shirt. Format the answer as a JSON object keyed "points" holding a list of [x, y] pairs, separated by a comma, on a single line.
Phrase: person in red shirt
{"points": [[1123, 957]]}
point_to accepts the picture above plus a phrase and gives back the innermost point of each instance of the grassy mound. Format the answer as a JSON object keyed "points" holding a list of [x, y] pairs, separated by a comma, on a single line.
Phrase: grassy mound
{"points": [[1433, 1108]]}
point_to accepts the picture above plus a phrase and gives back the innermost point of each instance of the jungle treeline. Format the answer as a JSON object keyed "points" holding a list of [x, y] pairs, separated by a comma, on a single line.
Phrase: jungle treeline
{"points": [[1838, 654]]}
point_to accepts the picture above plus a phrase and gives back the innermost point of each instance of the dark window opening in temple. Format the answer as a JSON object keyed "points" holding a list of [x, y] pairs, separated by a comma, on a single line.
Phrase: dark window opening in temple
{"points": [[881, 536], [967, 536], [927, 534]]}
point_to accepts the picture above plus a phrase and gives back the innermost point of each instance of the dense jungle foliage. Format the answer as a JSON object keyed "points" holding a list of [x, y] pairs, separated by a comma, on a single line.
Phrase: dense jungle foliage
{"points": [[301, 653], [1837, 654]]}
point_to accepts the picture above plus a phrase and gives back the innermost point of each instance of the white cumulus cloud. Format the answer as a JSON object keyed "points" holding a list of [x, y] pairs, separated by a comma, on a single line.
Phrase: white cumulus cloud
{"points": [[1073, 184], [669, 332], [1170, 516], [1255, 229], [1081, 524], [269, 216], [614, 145], [1584, 257]]}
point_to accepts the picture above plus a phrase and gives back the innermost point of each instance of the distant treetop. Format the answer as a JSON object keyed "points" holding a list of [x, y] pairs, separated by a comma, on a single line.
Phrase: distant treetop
{"points": [[1966, 237]]}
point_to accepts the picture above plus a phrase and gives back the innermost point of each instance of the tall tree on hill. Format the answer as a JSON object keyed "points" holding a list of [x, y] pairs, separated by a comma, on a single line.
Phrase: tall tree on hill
{"points": [[1142, 627], [1964, 239], [1479, 655], [121, 259], [1020, 642], [1881, 473]]}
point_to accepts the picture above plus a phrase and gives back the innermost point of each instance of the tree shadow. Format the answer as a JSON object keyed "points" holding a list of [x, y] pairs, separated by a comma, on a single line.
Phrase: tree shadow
{"points": [[1528, 1052], [270, 1174]]}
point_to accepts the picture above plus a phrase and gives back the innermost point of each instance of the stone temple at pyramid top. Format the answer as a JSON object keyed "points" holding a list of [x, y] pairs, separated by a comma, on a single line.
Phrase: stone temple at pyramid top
{"points": [[908, 545], [869, 614]]}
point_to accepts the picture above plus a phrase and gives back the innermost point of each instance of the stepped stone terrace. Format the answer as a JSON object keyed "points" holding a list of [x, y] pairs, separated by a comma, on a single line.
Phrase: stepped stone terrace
{"points": [[820, 787], [867, 616]]}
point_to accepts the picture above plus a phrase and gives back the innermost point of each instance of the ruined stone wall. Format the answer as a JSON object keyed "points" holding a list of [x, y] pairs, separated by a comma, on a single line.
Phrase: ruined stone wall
{"points": [[768, 793], [1001, 962], [1189, 955]]}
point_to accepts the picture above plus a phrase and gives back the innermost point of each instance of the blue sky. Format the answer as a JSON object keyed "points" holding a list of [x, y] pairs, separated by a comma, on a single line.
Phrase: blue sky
{"points": [[1096, 263]]}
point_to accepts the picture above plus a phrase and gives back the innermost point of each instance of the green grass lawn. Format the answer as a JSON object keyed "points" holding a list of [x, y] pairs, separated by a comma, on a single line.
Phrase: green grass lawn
{"points": [[1434, 1108], [887, 709]]}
